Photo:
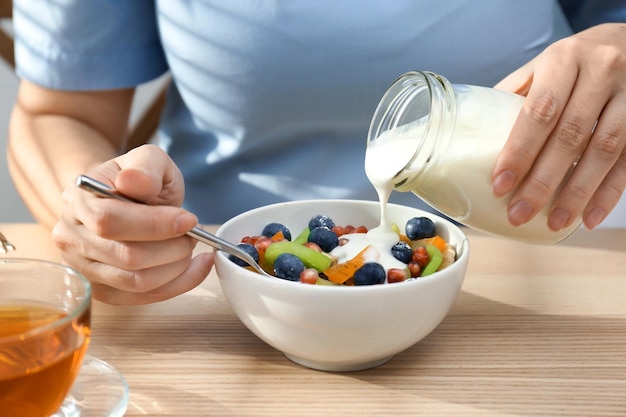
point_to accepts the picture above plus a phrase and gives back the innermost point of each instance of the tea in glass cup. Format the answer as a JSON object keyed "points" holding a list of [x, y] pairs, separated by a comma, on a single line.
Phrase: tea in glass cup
{"points": [[45, 318]]}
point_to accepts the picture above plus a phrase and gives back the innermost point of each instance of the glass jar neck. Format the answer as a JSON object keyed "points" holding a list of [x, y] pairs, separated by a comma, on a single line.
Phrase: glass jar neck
{"points": [[426, 100]]}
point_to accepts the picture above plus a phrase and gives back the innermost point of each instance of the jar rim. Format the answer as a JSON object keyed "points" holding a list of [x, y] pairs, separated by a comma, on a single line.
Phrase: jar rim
{"points": [[412, 96]]}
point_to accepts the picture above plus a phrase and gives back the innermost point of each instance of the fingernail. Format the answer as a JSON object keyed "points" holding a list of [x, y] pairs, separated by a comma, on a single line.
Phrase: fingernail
{"points": [[558, 219], [594, 217], [520, 212], [185, 222], [503, 183]]}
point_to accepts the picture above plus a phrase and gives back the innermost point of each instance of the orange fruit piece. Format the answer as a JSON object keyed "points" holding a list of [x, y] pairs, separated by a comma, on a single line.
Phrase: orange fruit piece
{"points": [[341, 273], [436, 241]]}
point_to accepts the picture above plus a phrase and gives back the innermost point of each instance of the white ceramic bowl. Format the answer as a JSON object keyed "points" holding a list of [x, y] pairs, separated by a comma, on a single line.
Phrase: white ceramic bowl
{"points": [[336, 328]]}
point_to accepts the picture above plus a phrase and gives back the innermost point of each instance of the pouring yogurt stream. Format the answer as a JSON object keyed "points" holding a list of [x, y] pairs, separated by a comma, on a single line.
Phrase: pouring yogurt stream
{"points": [[441, 141]]}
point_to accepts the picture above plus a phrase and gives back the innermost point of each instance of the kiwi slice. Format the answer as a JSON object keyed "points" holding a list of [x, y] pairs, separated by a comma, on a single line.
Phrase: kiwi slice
{"points": [[311, 258], [303, 236]]}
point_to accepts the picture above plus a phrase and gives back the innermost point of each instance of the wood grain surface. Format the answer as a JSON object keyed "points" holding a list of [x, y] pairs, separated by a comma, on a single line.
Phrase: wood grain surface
{"points": [[536, 331]]}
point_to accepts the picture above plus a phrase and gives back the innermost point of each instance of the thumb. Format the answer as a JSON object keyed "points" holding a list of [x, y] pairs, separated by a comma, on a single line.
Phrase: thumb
{"points": [[517, 82], [149, 175]]}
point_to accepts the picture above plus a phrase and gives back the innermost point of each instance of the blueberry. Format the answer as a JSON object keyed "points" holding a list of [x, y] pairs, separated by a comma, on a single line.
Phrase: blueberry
{"points": [[402, 252], [288, 266], [249, 249], [272, 228], [325, 238], [370, 273], [420, 228], [321, 221]]}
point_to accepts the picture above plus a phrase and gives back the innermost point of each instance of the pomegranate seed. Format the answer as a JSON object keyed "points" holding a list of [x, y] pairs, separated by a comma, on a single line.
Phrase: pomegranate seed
{"points": [[421, 256], [350, 229], [262, 243], [309, 276], [313, 245], [249, 239], [397, 275], [339, 230], [415, 269]]}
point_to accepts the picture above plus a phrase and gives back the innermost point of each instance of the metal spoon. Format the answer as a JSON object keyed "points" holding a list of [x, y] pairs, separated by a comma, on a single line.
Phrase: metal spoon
{"points": [[103, 190], [5, 245]]}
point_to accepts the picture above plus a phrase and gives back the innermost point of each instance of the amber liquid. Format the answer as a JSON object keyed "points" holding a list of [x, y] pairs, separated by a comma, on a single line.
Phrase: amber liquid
{"points": [[37, 372]]}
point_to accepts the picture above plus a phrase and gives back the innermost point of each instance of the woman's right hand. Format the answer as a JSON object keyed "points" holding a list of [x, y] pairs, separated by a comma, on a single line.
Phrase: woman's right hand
{"points": [[132, 253]]}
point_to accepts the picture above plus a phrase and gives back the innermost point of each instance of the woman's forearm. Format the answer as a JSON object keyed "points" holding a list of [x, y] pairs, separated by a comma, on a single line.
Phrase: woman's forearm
{"points": [[48, 149], [45, 154]]}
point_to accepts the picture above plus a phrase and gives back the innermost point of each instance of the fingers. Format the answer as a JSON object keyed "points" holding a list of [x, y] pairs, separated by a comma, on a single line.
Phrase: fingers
{"points": [[123, 221], [192, 276], [148, 174], [570, 93], [598, 181], [132, 253], [120, 220], [132, 256], [537, 119], [131, 273], [554, 161], [160, 184], [519, 81], [607, 195]]}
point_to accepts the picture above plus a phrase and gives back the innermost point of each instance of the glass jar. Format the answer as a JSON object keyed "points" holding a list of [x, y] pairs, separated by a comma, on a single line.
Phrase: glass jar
{"points": [[440, 141]]}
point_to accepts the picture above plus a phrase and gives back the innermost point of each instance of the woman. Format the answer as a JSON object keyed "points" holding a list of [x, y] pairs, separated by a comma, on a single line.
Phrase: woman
{"points": [[271, 101]]}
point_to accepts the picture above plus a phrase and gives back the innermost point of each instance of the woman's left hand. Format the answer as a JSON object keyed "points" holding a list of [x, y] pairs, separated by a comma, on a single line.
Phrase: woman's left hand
{"points": [[574, 113]]}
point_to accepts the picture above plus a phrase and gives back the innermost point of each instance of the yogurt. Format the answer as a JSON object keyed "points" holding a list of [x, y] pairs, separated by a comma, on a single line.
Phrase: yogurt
{"points": [[380, 239]]}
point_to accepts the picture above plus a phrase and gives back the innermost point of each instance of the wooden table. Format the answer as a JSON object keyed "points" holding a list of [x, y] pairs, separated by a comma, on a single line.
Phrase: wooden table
{"points": [[536, 331]]}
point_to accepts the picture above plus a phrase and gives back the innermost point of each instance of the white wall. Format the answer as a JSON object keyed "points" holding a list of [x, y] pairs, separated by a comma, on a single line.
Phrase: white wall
{"points": [[11, 207]]}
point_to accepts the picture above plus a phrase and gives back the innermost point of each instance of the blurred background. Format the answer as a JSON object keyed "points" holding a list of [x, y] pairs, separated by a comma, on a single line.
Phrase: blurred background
{"points": [[11, 207]]}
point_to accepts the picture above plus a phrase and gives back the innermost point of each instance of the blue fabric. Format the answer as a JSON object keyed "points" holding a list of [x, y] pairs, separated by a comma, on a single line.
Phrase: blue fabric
{"points": [[87, 45], [583, 14], [272, 100]]}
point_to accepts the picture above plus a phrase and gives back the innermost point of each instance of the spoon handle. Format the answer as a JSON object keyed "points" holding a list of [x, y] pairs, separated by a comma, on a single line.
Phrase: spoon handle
{"points": [[103, 190]]}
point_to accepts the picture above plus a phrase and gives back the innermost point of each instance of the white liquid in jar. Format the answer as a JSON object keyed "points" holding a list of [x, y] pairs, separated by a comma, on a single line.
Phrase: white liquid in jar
{"points": [[459, 181]]}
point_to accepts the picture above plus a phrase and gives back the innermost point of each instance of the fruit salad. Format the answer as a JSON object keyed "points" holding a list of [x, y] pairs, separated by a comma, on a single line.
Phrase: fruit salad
{"points": [[325, 253]]}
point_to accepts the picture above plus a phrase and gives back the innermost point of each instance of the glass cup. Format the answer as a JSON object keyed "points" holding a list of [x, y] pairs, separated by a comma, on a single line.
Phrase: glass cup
{"points": [[45, 327]]}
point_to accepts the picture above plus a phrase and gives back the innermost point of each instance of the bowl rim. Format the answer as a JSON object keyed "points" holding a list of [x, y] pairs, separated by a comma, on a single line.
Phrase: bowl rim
{"points": [[462, 245]]}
